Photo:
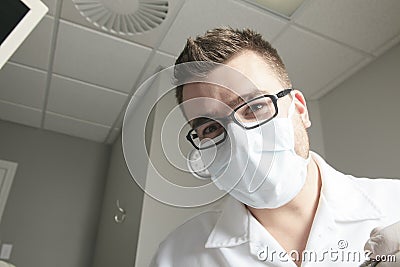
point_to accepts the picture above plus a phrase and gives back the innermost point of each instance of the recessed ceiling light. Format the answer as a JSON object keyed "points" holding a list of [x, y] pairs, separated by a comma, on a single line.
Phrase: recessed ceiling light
{"points": [[124, 17], [285, 8]]}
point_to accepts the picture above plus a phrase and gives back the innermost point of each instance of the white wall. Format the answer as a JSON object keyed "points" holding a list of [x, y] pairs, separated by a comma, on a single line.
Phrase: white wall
{"points": [[360, 120], [53, 208], [116, 243]]}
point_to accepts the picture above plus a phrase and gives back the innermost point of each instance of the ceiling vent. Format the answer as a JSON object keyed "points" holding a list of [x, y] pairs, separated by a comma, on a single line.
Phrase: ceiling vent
{"points": [[124, 17]]}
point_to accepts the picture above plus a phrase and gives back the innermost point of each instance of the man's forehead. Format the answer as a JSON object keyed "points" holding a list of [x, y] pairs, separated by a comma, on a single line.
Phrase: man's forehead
{"points": [[213, 101], [244, 72], [227, 95], [240, 76]]}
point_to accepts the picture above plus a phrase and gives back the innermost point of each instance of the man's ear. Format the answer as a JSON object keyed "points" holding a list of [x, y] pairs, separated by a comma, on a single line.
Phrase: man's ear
{"points": [[301, 107]]}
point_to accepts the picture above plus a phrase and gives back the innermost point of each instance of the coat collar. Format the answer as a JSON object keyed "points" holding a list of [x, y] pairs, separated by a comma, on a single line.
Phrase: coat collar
{"points": [[231, 228], [346, 202]]}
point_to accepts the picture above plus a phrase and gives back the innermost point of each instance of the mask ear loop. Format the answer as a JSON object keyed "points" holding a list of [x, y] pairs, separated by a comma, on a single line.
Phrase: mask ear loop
{"points": [[292, 107]]}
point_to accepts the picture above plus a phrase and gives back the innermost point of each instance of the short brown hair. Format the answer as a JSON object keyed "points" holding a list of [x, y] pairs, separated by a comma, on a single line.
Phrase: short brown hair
{"points": [[221, 44]]}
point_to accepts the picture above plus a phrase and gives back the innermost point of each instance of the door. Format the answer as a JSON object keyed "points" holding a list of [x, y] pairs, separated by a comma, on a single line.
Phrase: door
{"points": [[7, 172]]}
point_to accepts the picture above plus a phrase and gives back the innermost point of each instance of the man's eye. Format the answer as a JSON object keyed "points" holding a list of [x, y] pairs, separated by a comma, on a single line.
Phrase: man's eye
{"points": [[210, 129], [254, 108]]}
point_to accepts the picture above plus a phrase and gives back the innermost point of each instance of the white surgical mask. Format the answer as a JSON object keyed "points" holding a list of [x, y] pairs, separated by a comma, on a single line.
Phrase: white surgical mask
{"points": [[259, 167]]}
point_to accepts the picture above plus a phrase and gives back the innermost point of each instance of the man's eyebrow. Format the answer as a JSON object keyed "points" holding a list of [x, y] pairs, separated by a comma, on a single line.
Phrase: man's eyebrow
{"points": [[199, 121], [242, 98], [232, 104]]}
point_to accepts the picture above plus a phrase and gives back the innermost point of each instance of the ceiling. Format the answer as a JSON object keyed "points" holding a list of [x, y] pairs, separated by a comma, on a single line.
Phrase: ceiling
{"points": [[71, 77]]}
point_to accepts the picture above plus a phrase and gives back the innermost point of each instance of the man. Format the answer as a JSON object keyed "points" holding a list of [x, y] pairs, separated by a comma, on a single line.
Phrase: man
{"points": [[288, 207]]}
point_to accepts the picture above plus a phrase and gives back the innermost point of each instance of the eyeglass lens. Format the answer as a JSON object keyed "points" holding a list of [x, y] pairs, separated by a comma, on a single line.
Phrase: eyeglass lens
{"points": [[255, 112], [250, 114]]}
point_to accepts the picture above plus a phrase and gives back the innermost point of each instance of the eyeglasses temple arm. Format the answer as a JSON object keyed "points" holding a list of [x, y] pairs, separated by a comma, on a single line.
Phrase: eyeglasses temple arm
{"points": [[283, 93]]}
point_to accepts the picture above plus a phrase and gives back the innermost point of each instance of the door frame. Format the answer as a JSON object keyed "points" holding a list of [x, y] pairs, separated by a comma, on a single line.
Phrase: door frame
{"points": [[5, 186]]}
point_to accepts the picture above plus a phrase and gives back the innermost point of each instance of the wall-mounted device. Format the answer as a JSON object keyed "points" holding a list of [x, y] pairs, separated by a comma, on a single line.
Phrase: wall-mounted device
{"points": [[17, 19]]}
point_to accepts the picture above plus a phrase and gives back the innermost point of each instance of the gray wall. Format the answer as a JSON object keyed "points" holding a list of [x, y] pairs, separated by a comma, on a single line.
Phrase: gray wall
{"points": [[315, 131], [360, 120], [116, 243], [52, 212]]}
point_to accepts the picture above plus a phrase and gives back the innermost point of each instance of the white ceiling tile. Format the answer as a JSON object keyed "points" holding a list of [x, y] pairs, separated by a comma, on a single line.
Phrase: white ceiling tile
{"points": [[312, 61], [149, 38], [391, 43], [196, 17], [97, 58], [35, 50], [51, 4], [345, 75], [160, 60], [74, 127], [22, 85], [119, 120], [84, 101], [364, 24], [20, 114]]}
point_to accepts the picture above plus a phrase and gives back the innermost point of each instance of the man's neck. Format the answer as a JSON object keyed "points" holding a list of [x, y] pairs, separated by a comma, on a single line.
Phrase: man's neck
{"points": [[290, 224]]}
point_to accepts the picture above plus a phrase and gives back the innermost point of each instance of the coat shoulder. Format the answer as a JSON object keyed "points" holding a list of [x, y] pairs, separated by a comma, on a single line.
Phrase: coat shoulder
{"points": [[384, 192], [186, 242], [378, 186]]}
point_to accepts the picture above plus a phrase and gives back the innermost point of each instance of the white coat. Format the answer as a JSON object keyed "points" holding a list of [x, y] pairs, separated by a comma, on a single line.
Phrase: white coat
{"points": [[349, 208]]}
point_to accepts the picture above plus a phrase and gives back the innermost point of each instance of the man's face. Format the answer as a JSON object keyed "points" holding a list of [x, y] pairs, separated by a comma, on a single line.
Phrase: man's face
{"points": [[248, 76]]}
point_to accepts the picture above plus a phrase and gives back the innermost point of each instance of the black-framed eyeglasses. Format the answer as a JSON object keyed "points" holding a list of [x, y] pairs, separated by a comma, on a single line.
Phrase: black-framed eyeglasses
{"points": [[249, 115]]}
